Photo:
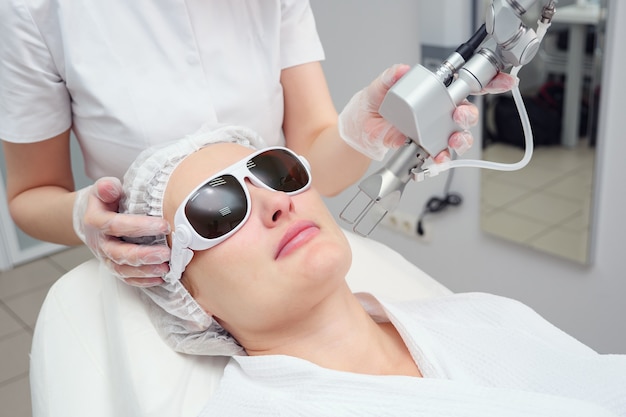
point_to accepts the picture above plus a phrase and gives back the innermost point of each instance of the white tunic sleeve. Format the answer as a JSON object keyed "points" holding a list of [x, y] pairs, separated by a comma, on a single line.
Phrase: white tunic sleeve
{"points": [[299, 42], [34, 101]]}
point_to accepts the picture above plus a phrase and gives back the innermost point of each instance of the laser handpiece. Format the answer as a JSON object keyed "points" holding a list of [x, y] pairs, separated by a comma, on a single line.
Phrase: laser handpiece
{"points": [[406, 107], [421, 103]]}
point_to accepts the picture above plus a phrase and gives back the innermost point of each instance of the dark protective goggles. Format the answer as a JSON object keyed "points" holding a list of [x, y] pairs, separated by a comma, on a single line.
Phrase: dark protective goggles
{"points": [[220, 206]]}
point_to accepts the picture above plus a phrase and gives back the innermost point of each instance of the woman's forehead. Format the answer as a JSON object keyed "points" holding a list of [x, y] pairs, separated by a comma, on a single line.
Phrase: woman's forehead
{"points": [[208, 161]]}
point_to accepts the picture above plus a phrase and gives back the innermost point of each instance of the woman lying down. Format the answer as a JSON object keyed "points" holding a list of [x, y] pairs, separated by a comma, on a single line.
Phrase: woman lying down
{"points": [[258, 273]]}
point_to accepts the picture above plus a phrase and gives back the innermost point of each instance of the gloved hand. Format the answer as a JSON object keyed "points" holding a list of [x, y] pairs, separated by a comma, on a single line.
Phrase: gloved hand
{"points": [[363, 128], [97, 223]]}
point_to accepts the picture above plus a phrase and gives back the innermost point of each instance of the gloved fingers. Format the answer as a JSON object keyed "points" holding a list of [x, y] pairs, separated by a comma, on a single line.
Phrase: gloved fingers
{"points": [[150, 273], [99, 213], [376, 91], [141, 276], [100, 226], [130, 225], [394, 139], [94, 206], [102, 217], [360, 124], [501, 83], [461, 141], [443, 156], [131, 254], [465, 115], [144, 282], [108, 189], [391, 75]]}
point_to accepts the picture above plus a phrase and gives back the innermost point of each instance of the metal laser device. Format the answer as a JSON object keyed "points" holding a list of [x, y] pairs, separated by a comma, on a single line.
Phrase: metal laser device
{"points": [[421, 103]]}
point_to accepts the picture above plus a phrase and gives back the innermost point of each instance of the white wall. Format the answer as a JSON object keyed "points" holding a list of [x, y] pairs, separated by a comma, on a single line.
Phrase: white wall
{"points": [[362, 38]]}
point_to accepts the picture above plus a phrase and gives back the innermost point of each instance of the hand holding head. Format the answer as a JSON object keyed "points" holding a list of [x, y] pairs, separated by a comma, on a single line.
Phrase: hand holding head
{"points": [[100, 226]]}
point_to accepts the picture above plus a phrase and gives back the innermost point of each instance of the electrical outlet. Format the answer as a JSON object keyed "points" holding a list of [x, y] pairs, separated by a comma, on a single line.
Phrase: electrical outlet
{"points": [[405, 224], [401, 222]]}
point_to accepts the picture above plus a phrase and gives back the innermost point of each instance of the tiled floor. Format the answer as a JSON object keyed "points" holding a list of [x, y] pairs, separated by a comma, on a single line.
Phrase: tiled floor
{"points": [[545, 205], [22, 291]]}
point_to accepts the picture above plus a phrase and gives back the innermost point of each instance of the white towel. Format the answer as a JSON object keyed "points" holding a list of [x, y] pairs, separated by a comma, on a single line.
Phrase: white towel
{"points": [[481, 355]]}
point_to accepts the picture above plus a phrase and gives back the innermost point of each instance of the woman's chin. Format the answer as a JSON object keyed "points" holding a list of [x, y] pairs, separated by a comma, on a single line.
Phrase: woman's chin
{"points": [[324, 260]]}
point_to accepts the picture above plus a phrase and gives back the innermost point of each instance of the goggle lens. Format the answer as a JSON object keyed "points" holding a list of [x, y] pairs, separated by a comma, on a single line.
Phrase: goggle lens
{"points": [[217, 207], [279, 170]]}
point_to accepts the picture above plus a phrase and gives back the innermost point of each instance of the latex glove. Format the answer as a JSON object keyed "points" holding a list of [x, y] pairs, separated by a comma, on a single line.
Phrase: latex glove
{"points": [[363, 128], [97, 223], [466, 116]]}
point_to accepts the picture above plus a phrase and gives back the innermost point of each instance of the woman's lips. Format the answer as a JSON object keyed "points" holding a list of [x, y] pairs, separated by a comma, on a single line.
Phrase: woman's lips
{"points": [[297, 235]]}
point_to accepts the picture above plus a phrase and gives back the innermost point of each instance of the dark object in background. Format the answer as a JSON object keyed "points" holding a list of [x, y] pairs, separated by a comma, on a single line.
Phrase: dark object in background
{"points": [[562, 40], [544, 111], [545, 108]]}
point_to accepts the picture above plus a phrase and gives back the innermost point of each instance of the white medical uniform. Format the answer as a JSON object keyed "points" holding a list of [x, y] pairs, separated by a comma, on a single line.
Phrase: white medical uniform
{"points": [[481, 356], [127, 74]]}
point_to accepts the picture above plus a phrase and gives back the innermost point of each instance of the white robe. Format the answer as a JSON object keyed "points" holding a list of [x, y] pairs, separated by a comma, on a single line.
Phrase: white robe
{"points": [[481, 355]]}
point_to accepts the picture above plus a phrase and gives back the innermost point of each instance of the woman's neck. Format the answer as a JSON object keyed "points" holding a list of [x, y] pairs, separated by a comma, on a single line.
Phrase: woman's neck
{"points": [[340, 335]]}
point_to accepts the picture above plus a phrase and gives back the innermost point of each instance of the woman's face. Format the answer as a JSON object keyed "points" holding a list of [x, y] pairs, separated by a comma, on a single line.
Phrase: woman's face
{"points": [[285, 260]]}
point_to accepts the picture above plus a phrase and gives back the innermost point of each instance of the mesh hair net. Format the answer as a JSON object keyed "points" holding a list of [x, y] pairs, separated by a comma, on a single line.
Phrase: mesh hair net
{"points": [[178, 318]]}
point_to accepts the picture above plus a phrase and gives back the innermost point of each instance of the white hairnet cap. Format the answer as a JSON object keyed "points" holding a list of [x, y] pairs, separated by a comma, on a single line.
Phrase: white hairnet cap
{"points": [[178, 318]]}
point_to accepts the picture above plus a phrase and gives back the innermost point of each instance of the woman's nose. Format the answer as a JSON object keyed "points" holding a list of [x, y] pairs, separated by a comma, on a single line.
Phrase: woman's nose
{"points": [[272, 206]]}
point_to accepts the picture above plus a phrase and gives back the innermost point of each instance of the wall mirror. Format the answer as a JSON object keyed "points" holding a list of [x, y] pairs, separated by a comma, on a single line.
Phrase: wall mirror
{"points": [[547, 205]]}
